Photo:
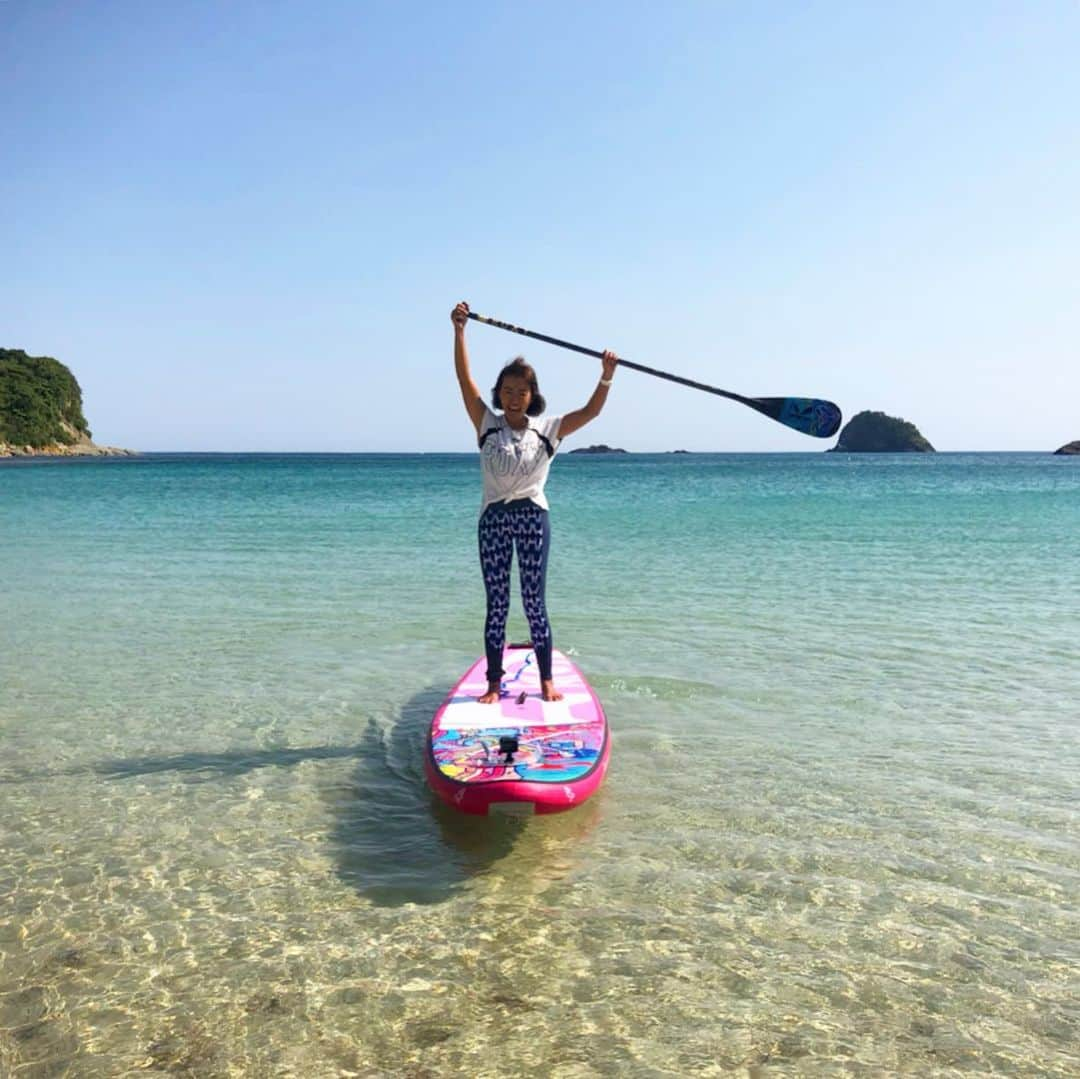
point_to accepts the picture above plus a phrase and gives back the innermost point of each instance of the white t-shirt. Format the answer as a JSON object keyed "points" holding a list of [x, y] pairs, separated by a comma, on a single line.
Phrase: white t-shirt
{"points": [[515, 464]]}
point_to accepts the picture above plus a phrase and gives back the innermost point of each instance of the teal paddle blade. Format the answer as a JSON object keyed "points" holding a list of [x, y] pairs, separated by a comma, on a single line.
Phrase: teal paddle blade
{"points": [[810, 415]]}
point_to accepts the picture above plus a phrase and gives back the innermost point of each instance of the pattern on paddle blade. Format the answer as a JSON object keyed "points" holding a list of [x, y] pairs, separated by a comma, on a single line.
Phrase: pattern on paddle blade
{"points": [[821, 419]]}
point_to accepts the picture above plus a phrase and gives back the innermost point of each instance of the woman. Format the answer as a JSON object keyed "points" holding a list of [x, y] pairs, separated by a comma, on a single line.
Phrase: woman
{"points": [[515, 454]]}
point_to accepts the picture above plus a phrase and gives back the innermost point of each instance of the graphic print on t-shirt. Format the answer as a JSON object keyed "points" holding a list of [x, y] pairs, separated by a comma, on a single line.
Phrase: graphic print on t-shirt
{"points": [[507, 455], [515, 464]]}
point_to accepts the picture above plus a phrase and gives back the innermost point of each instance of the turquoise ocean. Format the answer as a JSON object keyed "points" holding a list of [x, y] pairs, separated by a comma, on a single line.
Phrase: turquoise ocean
{"points": [[840, 833]]}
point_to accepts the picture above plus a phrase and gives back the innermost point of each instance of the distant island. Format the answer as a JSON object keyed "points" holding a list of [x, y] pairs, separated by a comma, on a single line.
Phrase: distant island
{"points": [[1069, 448], [874, 432], [41, 410], [598, 449]]}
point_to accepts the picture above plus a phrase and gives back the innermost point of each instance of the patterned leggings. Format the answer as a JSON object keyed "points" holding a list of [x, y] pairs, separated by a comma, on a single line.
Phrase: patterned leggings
{"points": [[502, 527]]}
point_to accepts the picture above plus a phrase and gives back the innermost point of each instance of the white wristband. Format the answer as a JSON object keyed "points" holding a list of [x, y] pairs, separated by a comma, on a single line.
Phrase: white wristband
{"points": [[606, 381]]}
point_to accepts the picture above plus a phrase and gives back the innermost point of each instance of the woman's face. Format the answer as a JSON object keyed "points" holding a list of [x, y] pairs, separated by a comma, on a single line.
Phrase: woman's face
{"points": [[515, 396]]}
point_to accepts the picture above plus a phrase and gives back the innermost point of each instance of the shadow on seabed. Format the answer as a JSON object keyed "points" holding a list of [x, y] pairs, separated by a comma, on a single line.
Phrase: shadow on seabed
{"points": [[394, 841]]}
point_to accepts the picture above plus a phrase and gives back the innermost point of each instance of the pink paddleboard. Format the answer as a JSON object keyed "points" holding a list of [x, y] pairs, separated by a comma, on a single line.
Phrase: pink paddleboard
{"points": [[521, 755]]}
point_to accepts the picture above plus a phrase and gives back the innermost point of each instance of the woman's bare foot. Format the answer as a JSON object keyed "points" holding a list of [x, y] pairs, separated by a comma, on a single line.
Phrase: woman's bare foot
{"points": [[548, 690], [492, 695]]}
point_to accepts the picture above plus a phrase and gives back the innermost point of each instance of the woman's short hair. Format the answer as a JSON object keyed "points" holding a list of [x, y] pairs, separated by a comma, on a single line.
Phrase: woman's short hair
{"points": [[518, 368]]}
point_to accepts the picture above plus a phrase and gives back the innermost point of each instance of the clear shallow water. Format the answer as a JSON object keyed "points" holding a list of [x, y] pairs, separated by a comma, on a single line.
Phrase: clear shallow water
{"points": [[839, 834]]}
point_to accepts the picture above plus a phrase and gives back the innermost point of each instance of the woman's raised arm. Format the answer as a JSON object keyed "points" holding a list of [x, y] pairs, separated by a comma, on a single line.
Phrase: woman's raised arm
{"points": [[574, 421], [470, 393]]}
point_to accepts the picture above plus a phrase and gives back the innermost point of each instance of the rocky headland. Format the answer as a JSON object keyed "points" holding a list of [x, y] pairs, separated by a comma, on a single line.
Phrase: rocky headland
{"points": [[41, 410], [874, 432], [601, 448], [82, 448], [1070, 448]]}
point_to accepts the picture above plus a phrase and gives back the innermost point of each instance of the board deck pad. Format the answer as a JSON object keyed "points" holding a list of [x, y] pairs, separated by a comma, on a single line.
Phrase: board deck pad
{"points": [[559, 742]]}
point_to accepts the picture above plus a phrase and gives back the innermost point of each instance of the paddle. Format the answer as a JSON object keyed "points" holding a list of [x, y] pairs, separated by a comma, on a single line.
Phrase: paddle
{"points": [[806, 414]]}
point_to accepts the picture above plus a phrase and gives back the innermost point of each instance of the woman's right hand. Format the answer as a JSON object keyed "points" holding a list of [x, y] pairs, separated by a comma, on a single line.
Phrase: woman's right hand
{"points": [[460, 315]]}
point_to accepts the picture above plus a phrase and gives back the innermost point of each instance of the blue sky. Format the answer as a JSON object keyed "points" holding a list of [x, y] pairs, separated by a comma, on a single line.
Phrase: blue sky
{"points": [[243, 225]]}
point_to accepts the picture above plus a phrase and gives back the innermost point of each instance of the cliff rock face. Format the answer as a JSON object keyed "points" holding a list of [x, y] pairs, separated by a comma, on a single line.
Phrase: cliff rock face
{"points": [[1070, 448], [41, 409], [874, 432]]}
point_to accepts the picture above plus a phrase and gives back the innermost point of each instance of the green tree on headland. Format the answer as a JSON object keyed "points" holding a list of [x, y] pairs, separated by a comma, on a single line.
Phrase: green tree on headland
{"points": [[40, 401]]}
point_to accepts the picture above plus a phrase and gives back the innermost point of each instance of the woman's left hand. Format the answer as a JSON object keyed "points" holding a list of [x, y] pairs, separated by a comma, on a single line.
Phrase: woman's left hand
{"points": [[610, 362]]}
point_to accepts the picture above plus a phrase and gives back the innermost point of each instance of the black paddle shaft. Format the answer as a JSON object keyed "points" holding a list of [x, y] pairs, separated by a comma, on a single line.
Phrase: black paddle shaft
{"points": [[599, 355], [806, 414]]}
